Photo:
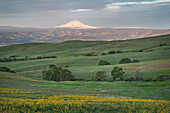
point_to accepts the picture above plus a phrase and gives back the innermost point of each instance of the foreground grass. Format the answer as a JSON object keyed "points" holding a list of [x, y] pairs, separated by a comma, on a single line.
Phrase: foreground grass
{"points": [[119, 89], [21, 101]]}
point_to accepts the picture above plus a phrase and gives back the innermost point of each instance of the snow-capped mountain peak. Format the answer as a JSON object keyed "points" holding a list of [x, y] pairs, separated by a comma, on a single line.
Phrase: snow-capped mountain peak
{"points": [[75, 24]]}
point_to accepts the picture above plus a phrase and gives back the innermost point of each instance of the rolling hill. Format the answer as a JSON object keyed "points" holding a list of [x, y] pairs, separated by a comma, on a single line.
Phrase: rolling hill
{"points": [[152, 52]]}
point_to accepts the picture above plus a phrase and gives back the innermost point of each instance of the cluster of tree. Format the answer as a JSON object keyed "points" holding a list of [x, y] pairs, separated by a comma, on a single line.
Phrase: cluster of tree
{"points": [[127, 60], [13, 58], [6, 69], [54, 73], [117, 72], [112, 52], [122, 61], [90, 54]]}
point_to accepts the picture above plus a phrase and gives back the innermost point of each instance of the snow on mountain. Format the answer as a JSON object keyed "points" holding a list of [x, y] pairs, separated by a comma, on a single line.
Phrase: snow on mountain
{"points": [[75, 24]]}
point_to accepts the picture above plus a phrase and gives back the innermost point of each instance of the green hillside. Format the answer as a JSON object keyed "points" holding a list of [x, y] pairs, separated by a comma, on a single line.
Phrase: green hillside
{"points": [[152, 52], [137, 90]]}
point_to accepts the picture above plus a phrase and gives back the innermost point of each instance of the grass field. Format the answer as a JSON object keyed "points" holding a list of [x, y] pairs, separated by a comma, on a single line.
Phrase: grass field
{"points": [[154, 58], [118, 96]]}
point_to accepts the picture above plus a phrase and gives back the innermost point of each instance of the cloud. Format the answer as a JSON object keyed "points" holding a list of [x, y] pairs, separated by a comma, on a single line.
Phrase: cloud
{"points": [[81, 10], [108, 13], [113, 7], [118, 4]]}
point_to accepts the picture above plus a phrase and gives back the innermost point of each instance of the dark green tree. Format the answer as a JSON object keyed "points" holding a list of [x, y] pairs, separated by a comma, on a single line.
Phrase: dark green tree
{"points": [[102, 62], [66, 75], [125, 60], [134, 61], [26, 58], [117, 72], [100, 76], [112, 52], [55, 73]]}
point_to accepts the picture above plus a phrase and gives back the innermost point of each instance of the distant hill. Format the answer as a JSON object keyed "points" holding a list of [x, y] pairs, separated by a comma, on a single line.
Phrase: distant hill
{"points": [[78, 47], [15, 35]]}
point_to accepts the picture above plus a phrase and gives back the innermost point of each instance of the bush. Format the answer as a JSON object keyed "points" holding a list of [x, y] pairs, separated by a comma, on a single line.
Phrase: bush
{"points": [[112, 52], [100, 76], [102, 62], [39, 57], [162, 44], [140, 51], [57, 74], [117, 73], [125, 60], [103, 54], [6, 69], [88, 54], [119, 51], [163, 77], [134, 61], [147, 80]]}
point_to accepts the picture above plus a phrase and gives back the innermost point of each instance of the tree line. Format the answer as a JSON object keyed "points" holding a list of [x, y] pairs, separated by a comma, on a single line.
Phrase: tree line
{"points": [[13, 58]]}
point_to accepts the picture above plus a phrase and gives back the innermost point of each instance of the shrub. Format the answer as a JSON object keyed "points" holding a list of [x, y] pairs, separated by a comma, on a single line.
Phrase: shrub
{"points": [[134, 61], [140, 51], [146, 79], [163, 77], [125, 60], [100, 76], [26, 58], [6, 69], [39, 57], [52, 57], [88, 54], [103, 54], [112, 52], [162, 44], [102, 62], [57, 74], [117, 73], [119, 51]]}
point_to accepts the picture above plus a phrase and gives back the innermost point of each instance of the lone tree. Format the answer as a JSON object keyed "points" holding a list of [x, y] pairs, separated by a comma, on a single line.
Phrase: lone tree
{"points": [[102, 62], [117, 73], [100, 76], [54, 73], [125, 60]]}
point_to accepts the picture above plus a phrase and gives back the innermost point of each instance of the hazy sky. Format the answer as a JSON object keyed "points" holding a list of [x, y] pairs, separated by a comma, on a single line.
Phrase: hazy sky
{"points": [[102, 13]]}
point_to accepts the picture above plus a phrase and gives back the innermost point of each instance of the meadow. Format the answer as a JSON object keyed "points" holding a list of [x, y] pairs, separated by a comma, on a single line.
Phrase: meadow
{"points": [[154, 59], [27, 90], [12, 100]]}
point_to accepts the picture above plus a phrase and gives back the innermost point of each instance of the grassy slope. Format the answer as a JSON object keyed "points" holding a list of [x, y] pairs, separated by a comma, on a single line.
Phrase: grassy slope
{"points": [[139, 90], [153, 63]]}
